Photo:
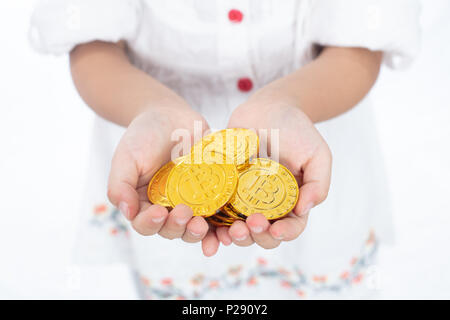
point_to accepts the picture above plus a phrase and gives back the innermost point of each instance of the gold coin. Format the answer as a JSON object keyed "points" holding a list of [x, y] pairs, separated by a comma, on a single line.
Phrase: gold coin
{"points": [[265, 187], [232, 146], [228, 210], [156, 191], [218, 223], [244, 166], [224, 217], [203, 187]]}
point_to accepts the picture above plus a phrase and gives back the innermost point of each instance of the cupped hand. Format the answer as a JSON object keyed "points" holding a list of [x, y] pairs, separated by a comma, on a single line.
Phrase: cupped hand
{"points": [[303, 151], [144, 148]]}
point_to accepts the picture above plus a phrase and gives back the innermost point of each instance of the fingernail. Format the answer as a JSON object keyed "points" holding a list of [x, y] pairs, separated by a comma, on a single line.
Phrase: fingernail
{"points": [[158, 220], [277, 236], [181, 221], [123, 207], [257, 229], [241, 238], [308, 207], [195, 234]]}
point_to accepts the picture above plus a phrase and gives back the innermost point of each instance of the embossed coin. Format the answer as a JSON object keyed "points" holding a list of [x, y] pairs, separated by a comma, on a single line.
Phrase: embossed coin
{"points": [[215, 221], [224, 217], [228, 210], [156, 191], [265, 187], [232, 146], [203, 187]]}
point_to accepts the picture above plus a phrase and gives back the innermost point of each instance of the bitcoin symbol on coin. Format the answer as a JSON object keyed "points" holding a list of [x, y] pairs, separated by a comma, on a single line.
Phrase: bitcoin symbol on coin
{"points": [[199, 184], [262, 190], [265, 187], [204, 187]]}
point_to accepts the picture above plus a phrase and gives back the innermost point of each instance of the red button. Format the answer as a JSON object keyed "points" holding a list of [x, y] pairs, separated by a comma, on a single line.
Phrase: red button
{"points": [[245, 84], [235, 16]]}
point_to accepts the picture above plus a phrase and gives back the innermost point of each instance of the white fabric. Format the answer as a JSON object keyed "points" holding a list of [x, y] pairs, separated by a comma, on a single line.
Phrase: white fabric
{"points": [[57, 26], [192, 47], [391, 26]]}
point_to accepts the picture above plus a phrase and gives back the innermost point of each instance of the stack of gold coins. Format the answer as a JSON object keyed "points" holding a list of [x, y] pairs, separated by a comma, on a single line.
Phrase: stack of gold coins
{"points": [[222, 180]]}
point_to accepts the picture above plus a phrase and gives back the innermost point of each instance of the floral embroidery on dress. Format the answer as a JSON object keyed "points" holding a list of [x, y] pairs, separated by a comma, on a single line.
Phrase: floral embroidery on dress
{"points": [[289, 278], [110, 219]]}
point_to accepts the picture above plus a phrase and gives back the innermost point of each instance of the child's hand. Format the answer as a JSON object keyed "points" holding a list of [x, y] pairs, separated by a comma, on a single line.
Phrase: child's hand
{"points": [[144, 148], [303, 151]]}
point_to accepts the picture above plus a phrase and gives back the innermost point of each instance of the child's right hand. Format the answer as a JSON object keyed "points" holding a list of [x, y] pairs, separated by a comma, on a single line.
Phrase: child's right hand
{"points": [[145, 147]]}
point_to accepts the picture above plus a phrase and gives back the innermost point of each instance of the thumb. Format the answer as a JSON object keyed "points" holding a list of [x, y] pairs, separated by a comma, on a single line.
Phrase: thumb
{"points": [[316, 182], [122, 183]]}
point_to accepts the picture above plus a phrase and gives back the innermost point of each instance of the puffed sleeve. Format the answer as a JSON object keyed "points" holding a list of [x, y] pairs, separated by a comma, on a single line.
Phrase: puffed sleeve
{"points": [[59, 25], [391, 26]]}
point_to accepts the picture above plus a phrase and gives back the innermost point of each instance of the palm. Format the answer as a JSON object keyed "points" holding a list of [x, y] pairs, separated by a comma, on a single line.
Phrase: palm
{"points": [[294, 141], [148, 142], [145, 147]]}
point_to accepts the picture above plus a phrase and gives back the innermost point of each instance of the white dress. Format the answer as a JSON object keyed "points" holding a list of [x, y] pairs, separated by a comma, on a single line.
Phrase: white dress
{"points": [[215, 54]]}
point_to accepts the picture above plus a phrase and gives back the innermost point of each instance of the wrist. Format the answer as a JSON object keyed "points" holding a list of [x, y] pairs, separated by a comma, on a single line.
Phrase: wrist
{"points": [[268, 100], [162, 105], [272, 97], [171, 115]]}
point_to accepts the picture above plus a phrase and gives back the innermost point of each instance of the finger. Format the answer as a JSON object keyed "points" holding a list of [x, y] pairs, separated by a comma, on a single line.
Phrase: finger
{"points": [[240, 234], [175, 225], [122, 183], [316, 181], [223, 236], [149, 221], [259, 228], [288, 228], [196, 230], [210, 244]]}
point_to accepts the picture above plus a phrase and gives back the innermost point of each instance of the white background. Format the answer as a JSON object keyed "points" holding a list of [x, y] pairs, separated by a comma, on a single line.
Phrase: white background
{"points": [[44, 138]]}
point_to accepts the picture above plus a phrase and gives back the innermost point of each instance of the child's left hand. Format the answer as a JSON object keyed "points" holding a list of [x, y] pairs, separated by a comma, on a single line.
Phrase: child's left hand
{"points": [[303, 151]]}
